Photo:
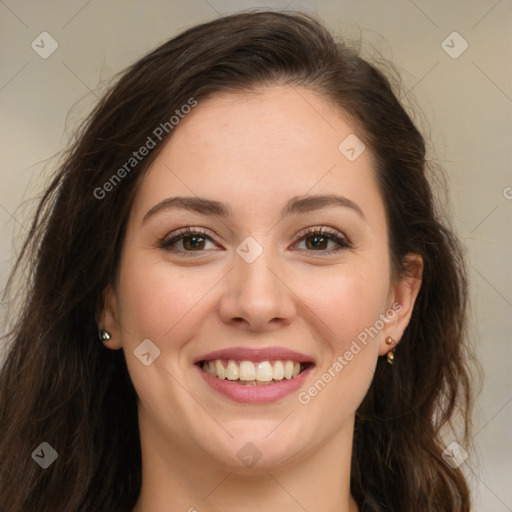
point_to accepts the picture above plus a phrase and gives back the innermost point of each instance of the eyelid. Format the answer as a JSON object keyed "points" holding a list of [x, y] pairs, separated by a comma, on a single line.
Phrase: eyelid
{"points": [[322, 229]]}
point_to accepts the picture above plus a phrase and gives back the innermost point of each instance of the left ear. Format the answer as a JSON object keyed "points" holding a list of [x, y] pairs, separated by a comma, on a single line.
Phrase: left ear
{"points": [[401, 300]]}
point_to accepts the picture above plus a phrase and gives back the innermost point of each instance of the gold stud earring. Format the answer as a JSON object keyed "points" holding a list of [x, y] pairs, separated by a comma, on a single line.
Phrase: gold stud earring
{"points": [[391, 353]]}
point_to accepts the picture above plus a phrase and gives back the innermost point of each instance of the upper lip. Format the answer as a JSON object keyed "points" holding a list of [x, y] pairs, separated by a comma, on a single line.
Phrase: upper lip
{"points": [[255, 354]]}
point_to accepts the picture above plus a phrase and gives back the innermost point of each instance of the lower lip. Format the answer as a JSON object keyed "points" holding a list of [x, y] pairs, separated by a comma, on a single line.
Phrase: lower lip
{"points": [[255, 394]]}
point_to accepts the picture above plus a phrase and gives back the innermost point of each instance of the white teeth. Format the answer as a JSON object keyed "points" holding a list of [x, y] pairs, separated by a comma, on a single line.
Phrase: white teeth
{"points": [[250, 373], [232, 371], [288, 370], [264, 371], [247, 370], [221, 372], [278, 372]]}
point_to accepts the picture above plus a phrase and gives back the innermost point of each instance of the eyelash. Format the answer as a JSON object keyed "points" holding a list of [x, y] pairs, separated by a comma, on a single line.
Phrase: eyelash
{"points": [[323, 231]]}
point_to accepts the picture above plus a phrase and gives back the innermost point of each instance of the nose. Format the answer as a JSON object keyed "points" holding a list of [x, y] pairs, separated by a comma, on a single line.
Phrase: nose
{"points": [[257, 296]]}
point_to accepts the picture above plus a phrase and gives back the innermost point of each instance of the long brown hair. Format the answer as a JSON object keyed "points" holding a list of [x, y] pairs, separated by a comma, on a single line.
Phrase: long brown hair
{"points": [[59, 385]]}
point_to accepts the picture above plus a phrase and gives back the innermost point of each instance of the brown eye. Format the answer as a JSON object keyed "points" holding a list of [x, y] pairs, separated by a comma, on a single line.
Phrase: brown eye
{"points": [[193, 242], [187, 240], [317, 240]]}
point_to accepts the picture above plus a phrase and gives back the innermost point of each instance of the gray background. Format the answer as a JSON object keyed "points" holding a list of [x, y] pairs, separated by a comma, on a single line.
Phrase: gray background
{"points": [[466, 103]]}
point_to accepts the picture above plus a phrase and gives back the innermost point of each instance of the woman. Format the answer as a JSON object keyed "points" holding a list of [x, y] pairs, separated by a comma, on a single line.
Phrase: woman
{"points": [[240, 294]]}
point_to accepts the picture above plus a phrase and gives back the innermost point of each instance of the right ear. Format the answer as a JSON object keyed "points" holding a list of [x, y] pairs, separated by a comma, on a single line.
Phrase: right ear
{"points": [[107, 318]]}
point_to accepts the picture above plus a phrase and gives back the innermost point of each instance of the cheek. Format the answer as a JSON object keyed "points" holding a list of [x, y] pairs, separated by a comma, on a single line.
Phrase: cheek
{"points": [[347, 299], [349, 305], [160, 301]]}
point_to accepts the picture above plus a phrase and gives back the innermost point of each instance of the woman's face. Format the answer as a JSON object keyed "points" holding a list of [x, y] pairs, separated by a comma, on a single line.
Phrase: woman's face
{"points": [[286, 260]]}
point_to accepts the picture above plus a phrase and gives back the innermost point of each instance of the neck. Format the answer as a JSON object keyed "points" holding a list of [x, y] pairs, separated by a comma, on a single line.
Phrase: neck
{"points": [[178, 478]]}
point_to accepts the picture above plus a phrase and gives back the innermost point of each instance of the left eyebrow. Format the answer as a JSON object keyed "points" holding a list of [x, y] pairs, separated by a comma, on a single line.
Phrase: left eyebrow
{"points": [[306, 204], [296, 205]]}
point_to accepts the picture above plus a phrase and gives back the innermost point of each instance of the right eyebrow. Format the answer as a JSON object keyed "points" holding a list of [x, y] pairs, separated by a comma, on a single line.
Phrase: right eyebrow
{"points": [[195, 204]]}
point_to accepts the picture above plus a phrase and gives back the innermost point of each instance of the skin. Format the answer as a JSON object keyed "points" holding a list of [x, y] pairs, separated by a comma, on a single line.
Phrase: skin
{"points": [[254, 152]]}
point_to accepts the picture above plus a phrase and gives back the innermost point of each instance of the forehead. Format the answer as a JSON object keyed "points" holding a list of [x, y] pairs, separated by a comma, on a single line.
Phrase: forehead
{"points": [[257, 148]]}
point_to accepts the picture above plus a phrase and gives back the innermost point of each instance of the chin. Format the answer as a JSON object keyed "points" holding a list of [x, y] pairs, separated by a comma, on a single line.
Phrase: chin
{"points": [[250, 451]]}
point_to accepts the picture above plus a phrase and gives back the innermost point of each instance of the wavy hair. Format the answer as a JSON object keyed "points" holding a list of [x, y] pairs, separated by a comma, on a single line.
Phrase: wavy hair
{"points": [[59, 385]]}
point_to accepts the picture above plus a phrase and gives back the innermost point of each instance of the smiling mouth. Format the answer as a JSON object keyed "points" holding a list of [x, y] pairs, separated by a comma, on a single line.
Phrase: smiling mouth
{"points": [[248, 373]]}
